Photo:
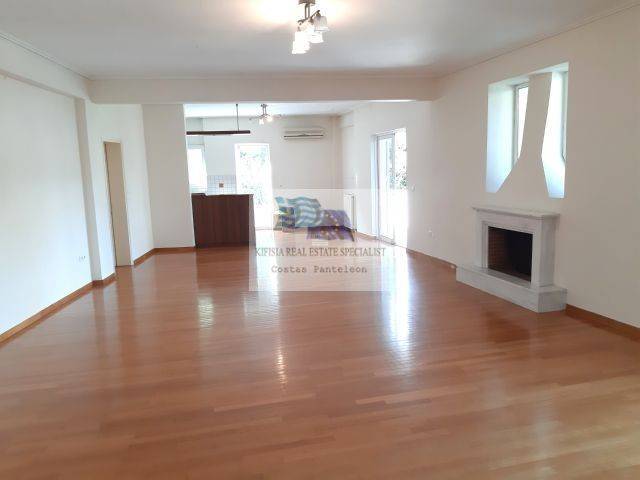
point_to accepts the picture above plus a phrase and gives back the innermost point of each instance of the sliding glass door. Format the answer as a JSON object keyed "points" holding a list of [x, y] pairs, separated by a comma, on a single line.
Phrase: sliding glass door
{"points": [[392, 199], [385, 148]]}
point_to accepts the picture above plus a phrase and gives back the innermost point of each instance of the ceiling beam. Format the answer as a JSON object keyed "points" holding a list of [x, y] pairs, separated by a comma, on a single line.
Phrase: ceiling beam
{"points": [[259, 89]]}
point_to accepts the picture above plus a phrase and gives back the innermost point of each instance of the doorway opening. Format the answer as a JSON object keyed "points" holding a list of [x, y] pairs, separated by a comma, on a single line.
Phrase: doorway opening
{"points": [[253, 175], [390, 159], [118, 204]]}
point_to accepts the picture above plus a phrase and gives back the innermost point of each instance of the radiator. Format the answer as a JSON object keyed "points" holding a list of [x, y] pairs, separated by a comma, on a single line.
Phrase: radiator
{"points": [[349, 206]]}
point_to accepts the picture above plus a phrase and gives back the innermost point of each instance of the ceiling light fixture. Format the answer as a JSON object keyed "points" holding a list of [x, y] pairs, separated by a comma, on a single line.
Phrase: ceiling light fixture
{"points": [[310, 28], [265, 117]]}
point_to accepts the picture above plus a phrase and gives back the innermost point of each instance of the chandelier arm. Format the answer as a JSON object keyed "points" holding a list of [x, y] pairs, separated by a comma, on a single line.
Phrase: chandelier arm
{"points": [[310, 28]]}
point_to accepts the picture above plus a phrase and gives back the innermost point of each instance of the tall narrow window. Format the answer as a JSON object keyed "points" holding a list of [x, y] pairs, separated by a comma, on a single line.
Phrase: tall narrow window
{"points": [[508, 118], [197, 170], [565, 99], [554, 142], [520, 113]]}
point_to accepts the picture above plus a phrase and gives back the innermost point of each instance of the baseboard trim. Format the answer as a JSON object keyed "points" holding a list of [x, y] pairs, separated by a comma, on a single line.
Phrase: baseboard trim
{"points": [[174, 250], [144, 257], [104, 282], [366, 236], [602, 322], [160, 251], [437, 261], [53, 308], [44, 313], [415, 253]]}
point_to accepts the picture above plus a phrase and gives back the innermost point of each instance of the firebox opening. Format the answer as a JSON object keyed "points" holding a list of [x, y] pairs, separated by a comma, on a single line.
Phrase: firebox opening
{"points": [[510, 252]]}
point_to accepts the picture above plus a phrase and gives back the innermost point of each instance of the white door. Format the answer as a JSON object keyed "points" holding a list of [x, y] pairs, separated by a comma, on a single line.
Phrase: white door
{"points": [[118, 204]]}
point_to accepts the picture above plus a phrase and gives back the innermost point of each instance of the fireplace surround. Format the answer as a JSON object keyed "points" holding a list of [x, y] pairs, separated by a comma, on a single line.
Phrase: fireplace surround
{"points": [[515, 256]]}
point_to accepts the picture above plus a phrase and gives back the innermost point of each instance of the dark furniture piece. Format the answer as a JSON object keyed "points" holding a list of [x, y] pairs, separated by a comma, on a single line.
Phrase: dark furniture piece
{"points": [[223, 220], [332, 225]]}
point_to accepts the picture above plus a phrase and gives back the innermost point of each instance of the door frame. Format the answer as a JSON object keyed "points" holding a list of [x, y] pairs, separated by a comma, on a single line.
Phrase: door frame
{"points": [[120, 234], [376, 175]]}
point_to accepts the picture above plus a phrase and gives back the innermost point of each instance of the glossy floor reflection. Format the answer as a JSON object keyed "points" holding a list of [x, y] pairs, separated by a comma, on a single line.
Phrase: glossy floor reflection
{"points": [[179, 370], [293, 262]]}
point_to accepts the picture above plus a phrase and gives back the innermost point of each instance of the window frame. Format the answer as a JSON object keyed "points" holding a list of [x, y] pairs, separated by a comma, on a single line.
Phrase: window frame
{"points": [[204, 161], [516, 121], [565, 97]]}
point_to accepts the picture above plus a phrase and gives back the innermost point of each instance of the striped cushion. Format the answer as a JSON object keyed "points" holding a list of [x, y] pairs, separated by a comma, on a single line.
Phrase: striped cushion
{"points": [[286, 215], [282, 203], [307, 211]]}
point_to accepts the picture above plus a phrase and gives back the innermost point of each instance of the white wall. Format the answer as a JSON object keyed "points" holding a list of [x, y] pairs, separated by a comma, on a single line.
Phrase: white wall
{"points": [[43, 239], [172, 220], [347, 151], [295, 164], [358, 130], [598, 257], [53, 183], [597, 248], [122, 124]]}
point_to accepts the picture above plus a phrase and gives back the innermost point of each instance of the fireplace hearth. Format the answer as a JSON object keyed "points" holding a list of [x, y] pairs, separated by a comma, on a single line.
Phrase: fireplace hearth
{"points": [[515, 257]]}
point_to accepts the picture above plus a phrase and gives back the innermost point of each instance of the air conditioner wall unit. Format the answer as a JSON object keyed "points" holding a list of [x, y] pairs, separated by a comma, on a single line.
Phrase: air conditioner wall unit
{"points": [[308, 133]]}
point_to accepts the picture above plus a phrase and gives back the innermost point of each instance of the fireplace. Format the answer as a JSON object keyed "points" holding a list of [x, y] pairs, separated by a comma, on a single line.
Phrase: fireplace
{"points": [[510, 252], [515, 258]]}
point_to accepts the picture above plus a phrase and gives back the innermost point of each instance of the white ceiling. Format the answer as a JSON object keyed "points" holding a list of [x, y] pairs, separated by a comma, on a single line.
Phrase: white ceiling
{"points": [[254, 109], [200, 38]]}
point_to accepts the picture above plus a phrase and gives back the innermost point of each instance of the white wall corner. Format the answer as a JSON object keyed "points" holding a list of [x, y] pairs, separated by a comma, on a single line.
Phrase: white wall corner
{"points": [[88, 190], [164, 131]]}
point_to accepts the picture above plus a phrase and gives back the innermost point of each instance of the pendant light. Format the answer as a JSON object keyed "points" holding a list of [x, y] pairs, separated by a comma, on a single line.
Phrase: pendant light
{"points": [[265, 117]]}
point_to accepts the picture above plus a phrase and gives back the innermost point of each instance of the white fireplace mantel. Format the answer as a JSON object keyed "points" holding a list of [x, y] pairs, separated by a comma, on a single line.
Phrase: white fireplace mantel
{"points": [[539, 294], [516, 212], [542, 225]]}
